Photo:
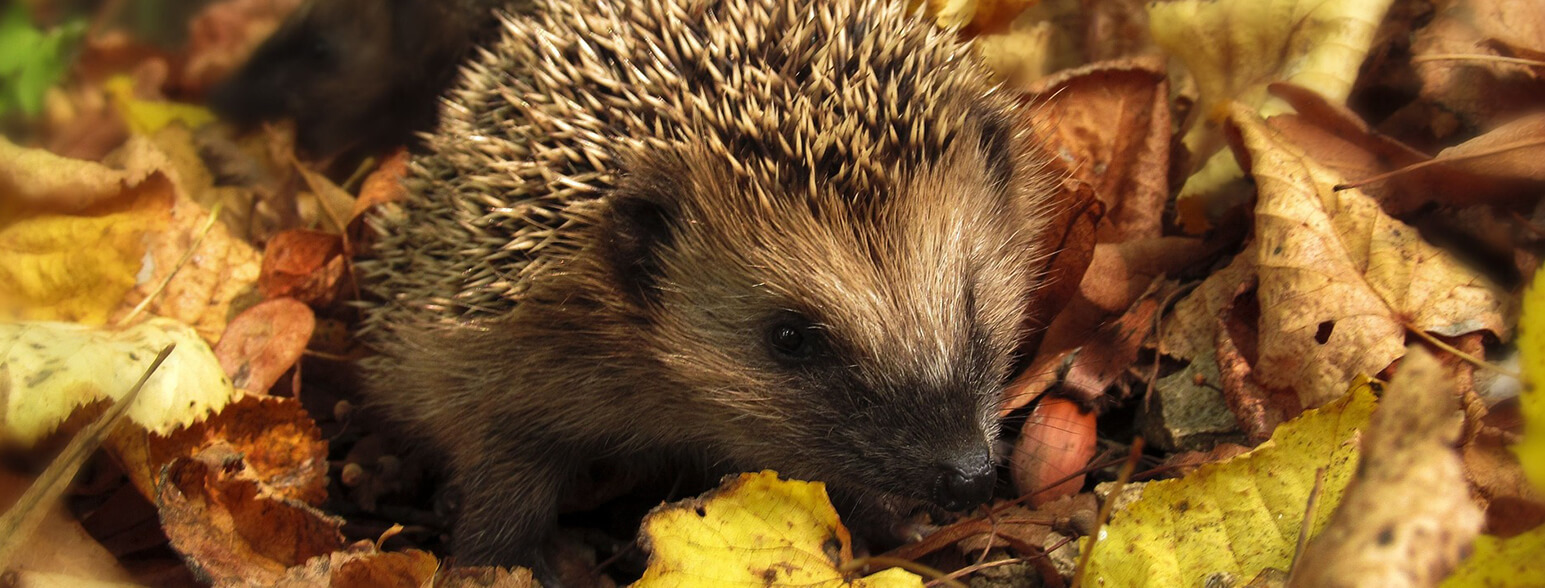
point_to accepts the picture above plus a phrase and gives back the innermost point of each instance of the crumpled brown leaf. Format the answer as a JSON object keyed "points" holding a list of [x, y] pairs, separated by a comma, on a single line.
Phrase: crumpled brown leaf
{"points": [[1125, 158], [1339, 281], [1451, 54], [229, 530]]}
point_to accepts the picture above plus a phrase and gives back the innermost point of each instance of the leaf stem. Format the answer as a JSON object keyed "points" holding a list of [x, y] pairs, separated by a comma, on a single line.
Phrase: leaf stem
{"points": [[1476, 361], [885, 561]]}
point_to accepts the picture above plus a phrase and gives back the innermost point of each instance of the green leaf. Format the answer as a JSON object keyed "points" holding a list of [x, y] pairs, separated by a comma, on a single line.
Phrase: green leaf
{"points": [[32, 60]]}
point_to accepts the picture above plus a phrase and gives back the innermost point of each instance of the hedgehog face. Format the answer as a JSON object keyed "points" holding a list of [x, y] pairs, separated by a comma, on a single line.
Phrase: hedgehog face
{"points": [[859, 338]]}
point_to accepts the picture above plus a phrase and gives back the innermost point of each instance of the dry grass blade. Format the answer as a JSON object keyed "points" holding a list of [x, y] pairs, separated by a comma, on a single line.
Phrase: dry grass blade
{"points": [[18, 523]]}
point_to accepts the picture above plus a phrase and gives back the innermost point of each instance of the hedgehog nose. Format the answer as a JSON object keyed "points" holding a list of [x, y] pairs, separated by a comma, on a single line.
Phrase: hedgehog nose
{"points": [[965, 480]]}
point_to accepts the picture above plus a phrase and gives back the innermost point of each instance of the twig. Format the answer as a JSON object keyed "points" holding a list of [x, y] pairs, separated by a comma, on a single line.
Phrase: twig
{"points": [[1476, 361], [1303, 527], [1477, 57], [1105, 510], [1503, 148], [203, 231], [19, 523]]}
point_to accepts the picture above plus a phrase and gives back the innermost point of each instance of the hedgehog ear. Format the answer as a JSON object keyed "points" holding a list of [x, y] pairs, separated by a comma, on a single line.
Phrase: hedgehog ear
{"points": [[638, 228]]}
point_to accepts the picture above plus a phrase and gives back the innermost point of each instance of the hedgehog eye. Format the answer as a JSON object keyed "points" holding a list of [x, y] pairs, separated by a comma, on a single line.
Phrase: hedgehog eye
{"points": [[793, 340]]}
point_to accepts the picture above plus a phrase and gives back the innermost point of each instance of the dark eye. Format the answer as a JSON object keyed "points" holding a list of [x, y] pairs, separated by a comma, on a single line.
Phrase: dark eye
{"points": [[793, 340]]}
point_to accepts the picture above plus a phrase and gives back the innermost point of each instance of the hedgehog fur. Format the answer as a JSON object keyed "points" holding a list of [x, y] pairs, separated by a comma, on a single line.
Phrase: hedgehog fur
{"points": [[791, 234]]}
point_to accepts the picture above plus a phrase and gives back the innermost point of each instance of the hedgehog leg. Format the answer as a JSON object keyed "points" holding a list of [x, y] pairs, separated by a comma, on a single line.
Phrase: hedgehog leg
{"points": [[510, 504]]}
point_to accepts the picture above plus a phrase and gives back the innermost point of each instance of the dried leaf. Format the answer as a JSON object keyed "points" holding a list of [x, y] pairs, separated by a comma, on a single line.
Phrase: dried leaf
{"points": [[1340, 281], [230, 531], [264, 341], [305, 265], [282, 449], [1107, 124], [50, 369], [1406, 517], [1235, 48]]}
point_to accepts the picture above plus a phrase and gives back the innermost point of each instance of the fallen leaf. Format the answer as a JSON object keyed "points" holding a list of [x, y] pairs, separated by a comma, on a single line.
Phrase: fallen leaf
{"points": [[93, 259], [51, 369], [79, 264], [1513, 150], [264, 341], [1406, 518], [229, 531], [1116, 275], [1338, 139], [35, 177], [1237, 517], [1107, 124], [363, 565], [1455, 59], [1234, 49], [145, 117], [282, 449], [1531, 401], [1340, 281], [303, 264], [755, 530], [1502, 563]]}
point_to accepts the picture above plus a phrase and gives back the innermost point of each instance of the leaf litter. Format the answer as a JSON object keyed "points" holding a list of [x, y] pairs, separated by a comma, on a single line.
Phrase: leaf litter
{"points": [[1341, 243]]}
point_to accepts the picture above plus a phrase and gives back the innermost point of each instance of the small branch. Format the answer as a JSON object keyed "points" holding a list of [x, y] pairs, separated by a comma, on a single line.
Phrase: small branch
{"points": [[22, 520], [1476, 361], [1105, 510], [1477, 57]]}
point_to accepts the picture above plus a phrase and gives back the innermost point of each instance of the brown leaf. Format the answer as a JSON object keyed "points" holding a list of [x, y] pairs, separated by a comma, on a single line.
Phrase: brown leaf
{"points": [[1108, 124], [1450, 57], [229, 530], [264, 341], [1340, 140], [363, 565], [303, 264], [1514, 150], [283, 450], [1116, 275], [1406, 518], [1340, 281]]}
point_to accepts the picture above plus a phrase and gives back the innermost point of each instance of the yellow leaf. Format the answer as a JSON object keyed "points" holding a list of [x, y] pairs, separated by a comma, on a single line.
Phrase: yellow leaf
{"points": [[1514, 562], [756, 530], [47, 370], [145, 117], [1237, 517], [1406, 518], [1235, 48], [78, 266], [84, 242], [1531, 351]]}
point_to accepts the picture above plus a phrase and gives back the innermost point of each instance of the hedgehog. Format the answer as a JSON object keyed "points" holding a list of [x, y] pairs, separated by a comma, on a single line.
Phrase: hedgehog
{"points": [[733, 235]]}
